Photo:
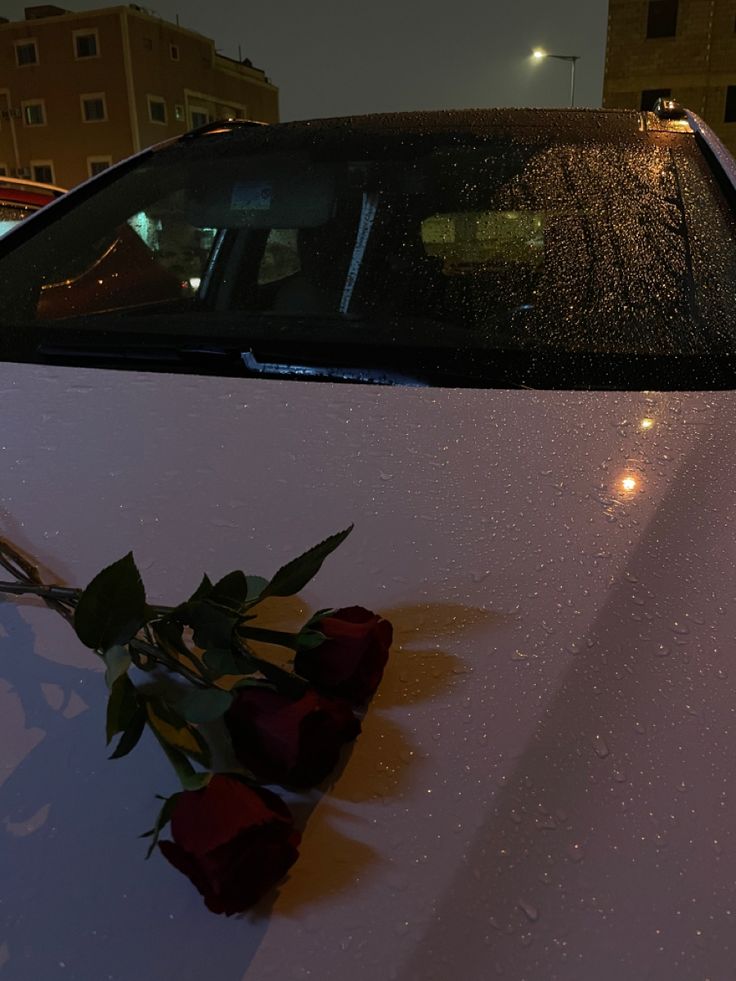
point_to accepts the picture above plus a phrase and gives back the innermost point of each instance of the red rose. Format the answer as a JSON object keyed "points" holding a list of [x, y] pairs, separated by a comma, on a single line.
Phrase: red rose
{"points": [[350, 662], [287, 741], [233, 841]]}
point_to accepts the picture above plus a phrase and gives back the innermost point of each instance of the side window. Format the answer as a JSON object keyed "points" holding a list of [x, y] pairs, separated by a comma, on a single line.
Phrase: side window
{"points": [[11, 214], [177, 247], [280, 256]]}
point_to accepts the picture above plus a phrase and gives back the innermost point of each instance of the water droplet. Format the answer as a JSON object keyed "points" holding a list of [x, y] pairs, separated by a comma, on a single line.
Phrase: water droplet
{"points": [[519, 656], [575, 853], [722, 672], [680, 628], [662, 650], [601, 747], [529, 911]]}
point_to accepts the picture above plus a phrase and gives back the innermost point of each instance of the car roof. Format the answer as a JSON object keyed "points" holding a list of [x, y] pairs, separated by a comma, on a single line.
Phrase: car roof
{"points": [[581, 122]]}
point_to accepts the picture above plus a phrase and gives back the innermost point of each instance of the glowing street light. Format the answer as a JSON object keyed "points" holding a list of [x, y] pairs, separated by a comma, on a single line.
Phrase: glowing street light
{"points": [[539, 55]]}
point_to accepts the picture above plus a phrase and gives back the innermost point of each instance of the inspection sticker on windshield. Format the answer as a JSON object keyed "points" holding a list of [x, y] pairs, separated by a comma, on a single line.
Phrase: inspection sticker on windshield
{"points": [[251, 196]]}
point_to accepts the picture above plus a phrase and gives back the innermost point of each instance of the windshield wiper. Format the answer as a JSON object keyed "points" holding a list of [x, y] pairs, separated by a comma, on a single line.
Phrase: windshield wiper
{"points": [[363, 375]]}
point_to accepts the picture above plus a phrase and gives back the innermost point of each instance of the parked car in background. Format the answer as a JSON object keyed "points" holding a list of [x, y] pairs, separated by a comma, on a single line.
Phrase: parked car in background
{"points": [[503, 343], [20, 198]]}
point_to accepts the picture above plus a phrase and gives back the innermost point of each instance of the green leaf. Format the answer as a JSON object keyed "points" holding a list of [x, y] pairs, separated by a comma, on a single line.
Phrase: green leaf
{"points": [[295, 575], [169, 637], [168, 633], [117, 661], [283, 681], [131, 735], [204, 704], [122, 705], [256, 585], [204, 589], [221, 661], [211, 626], [112, 609], [314, 620], [164, 816], [251, 682], [308, 640], [189, 777], [230, 592], [170, 728]]}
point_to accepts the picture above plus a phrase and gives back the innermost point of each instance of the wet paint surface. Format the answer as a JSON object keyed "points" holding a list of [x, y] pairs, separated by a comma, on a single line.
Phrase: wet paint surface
{"points": [[543, 788]]}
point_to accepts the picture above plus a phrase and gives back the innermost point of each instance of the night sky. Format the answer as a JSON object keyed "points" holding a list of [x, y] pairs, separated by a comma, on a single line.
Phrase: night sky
{"points": [[331, 57]]}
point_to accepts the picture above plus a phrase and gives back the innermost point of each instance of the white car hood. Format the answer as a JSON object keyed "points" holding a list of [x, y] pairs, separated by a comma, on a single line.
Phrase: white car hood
{"points": [[544, 787]]}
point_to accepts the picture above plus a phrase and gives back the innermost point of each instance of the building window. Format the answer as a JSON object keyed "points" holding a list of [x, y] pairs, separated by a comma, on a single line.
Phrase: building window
{"points": [[662, 18], [178, 112], [650, 96], [730, 114], [156, 109], [26, 52], [174, 52], [86, 44], [43, 171], [199, 117], [3, 170], [148, 43], [95, 165], [94, 107], [34, 112]]}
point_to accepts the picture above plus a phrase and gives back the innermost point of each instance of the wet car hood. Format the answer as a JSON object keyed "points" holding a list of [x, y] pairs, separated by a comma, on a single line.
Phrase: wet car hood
{"points": [[544, 785]]}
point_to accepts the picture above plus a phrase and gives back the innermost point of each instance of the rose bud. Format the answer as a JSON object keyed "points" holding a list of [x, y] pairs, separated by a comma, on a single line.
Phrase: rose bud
{"points": [[233, 841], [350, 662], [292, 742]]}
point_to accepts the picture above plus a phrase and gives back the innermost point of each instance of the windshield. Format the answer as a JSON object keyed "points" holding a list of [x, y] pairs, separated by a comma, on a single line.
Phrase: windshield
{"points": [[525, 256]]}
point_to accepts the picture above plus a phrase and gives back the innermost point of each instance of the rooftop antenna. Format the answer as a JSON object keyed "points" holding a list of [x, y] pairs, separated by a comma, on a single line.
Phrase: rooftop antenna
{"points": [[240, 53]]}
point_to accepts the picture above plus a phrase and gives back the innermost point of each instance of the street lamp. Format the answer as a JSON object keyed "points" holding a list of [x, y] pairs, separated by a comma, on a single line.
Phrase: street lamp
{"points": [[539, 55]]}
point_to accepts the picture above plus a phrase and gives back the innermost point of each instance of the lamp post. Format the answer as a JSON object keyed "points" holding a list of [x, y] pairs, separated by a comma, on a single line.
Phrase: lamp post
{"points": [[538, 55]]}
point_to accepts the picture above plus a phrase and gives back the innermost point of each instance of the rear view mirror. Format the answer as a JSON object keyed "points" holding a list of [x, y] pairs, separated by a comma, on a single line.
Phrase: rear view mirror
{"points": [[264, 197]]}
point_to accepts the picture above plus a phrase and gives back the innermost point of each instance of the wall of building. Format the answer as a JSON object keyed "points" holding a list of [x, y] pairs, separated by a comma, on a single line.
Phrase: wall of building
{"points": [[697, 64], [198, 80], [140, 58], [59, 79]]}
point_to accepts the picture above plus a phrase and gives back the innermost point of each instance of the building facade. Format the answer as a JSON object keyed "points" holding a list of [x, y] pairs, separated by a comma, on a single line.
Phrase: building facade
{"points": [[80, 91], [681, 49]]}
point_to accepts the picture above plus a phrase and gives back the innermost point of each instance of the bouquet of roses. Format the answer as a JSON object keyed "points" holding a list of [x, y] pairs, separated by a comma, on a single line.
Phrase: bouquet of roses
{"points": [[177, 671]]}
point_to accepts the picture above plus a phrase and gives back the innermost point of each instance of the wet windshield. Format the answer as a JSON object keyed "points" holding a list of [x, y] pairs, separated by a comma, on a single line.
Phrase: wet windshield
{"points": [[517, 249]]}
